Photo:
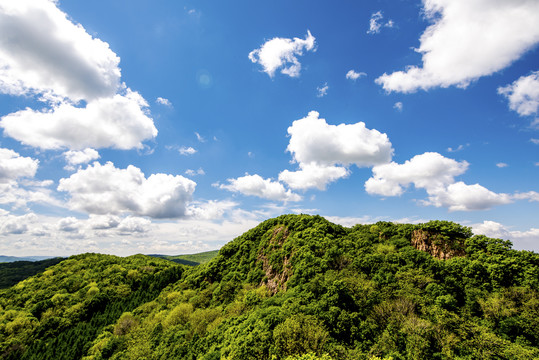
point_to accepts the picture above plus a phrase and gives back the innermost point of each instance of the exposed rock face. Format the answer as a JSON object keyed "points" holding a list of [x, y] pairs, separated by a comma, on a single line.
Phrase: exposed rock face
{"points": [[436, 245], [276, 280]]}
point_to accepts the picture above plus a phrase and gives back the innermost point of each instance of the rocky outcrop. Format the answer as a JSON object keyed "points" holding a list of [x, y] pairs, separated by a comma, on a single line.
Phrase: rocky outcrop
{"points": [[275, 279], [437, 245]]}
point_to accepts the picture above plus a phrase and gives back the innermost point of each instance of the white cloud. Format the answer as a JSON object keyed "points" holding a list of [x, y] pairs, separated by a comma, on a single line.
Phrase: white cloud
{"points": [[501, 165], [74, 157], [462, 197], [353, 75], [13, 224], [281, 53], [133, 224], [313, 176], [105, 189], [467, 40], [530, 196], [434, 173], [429, 171], [313, 140], [191, 172], [187, 150], [117, 122], [458, 148], [523, 94], [14, 166], [376, 24], [521, 240], [255, 185], [398, 106], [318, 147], [322, 90], [163, 101], [43, 52], [210, 210], [200, 138], [535, 141]]}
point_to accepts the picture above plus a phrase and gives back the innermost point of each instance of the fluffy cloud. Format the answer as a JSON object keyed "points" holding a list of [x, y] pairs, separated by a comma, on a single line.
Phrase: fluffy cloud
{"points": [[375, 24], [255, 185], [42, 51], [428, 171], [119, 122], [323, 151], [313, 140], [105, 189], [462, 197], [521, 239], [14, 166], [281, 53], [353, 75], [523, 94], [191, 172], [398, 106], [468, 39], [313, 176], [74, 157], [434, 173], [13, 224]]}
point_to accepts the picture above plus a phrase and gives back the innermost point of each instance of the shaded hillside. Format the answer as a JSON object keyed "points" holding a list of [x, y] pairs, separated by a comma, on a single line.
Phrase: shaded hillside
{"points": [[13, 272], [56, 314], [300, 287], [190, 259]]}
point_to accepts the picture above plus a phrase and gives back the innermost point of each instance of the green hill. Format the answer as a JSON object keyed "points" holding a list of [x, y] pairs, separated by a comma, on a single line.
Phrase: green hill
{"points": [[294, 287], [190, 259]]}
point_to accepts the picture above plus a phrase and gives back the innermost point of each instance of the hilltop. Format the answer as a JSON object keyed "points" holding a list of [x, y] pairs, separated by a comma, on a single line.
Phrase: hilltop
{"points": [[294, 287]]}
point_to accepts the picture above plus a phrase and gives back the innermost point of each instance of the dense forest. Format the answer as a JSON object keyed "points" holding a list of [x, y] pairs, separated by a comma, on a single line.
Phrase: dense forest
{"points": [[296, 287]]}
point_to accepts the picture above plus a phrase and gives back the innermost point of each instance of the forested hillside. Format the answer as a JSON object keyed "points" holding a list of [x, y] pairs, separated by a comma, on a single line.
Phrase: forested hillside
{"points": [[294, 287]]}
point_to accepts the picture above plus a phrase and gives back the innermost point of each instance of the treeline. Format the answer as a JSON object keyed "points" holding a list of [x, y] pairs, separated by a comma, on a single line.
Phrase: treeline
{"points": [[13, 272], [296, 287]]}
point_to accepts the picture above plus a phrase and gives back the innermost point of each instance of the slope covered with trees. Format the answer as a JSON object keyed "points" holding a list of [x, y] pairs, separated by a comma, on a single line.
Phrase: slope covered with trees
{"points": [[294, 287]]}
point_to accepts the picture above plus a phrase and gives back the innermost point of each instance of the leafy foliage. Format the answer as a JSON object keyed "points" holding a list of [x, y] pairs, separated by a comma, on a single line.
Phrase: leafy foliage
{"points": [[296, 287]]}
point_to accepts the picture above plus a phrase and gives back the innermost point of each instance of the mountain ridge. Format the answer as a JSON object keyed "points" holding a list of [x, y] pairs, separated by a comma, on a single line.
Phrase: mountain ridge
{"points": [[295, 286]]}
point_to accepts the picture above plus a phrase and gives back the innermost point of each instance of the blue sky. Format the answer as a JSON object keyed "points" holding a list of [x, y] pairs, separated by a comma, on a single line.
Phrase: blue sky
{"points": [[174, 126]]}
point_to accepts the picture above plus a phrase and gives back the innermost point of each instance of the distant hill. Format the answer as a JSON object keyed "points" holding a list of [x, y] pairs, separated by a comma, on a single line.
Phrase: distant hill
{"points": [[13, 272], [190, 259], [4, 258], [296, 287]]}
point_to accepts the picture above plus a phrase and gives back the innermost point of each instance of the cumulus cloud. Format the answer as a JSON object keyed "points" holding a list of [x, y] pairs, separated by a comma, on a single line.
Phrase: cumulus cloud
{"points": [[105, 189], [282, 53], [74, 157], [187, 150], [13, 224], [528, 239], [118, 122], [14, 166], [462, 197], [436, 174], [42, 51], [313, 140], [429, 171], [322, 90], [255, 185], [313, 176], [376, 24], [323, 151], [163, 101], [467, 40], [353, 75], [523, 94]]}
